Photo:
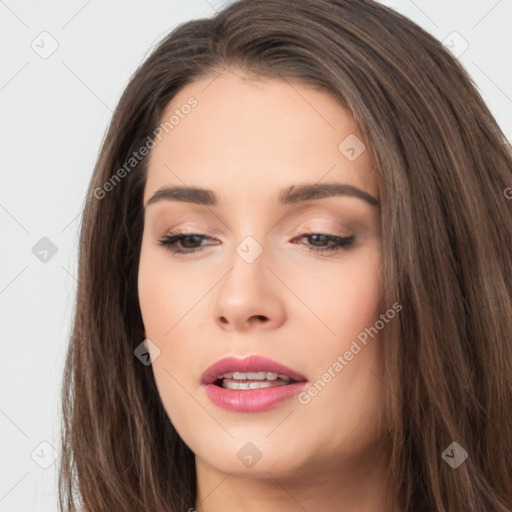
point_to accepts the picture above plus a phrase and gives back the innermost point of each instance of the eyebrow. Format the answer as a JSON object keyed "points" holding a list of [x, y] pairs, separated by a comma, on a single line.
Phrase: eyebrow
{"points": [[292, 195]]}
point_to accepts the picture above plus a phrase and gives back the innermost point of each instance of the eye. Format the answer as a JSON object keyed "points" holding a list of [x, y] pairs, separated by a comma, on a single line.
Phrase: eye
{"points": [[191, 242], [187, 240], [337, 243]]}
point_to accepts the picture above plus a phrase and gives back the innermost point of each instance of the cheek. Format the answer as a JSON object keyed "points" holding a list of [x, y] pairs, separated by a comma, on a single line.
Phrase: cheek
{"points": [[349, 399], [155, 298], [360, 292], [166, 293], [342, 296]]}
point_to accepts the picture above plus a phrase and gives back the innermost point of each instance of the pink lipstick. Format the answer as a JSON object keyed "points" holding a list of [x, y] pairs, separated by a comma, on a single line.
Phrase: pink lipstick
{"points": [[252, 384]]}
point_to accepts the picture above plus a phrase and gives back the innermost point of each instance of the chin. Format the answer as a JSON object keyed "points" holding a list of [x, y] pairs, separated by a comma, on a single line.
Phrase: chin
{"points": [[253, 455]]}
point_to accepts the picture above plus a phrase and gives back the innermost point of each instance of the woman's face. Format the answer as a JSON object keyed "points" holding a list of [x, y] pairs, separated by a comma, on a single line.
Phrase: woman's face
{"points": [[253, 284]]}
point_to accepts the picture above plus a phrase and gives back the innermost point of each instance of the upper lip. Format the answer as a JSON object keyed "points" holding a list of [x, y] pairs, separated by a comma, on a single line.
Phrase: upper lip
{"points": [[252, 363]]}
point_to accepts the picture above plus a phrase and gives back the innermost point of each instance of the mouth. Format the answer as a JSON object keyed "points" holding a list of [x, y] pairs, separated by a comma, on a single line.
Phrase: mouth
{"points": [[252, 384], [252, 372]]}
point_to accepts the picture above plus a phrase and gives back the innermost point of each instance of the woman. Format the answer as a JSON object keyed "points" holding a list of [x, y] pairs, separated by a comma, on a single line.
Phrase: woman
{"points": [[295, 276]]}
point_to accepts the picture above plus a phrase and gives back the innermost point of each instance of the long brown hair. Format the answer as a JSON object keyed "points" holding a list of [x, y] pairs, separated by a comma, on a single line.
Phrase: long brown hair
{"points": [[444, 167]]}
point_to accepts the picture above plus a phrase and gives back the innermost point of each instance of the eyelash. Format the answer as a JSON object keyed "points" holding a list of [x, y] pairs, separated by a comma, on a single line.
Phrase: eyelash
{"points": [[341, 243]]}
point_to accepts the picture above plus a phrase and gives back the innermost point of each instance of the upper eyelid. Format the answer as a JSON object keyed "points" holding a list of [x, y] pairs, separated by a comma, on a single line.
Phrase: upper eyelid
{"points": [[309, 213], [311, 224], [303, 230]]}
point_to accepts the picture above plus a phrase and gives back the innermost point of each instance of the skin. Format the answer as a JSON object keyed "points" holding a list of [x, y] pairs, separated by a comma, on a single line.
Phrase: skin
{"points": [[247, 139]]}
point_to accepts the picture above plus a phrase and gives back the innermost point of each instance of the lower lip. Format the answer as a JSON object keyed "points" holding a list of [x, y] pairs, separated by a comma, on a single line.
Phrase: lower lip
{"points": [[252, 400]]}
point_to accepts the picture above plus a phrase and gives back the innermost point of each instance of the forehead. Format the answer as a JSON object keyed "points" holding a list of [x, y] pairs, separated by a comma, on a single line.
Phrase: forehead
{"points": [[246, 137]]}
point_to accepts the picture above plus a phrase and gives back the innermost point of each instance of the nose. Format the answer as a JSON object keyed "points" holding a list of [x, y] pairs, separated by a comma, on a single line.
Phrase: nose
{"points": [[249, 297]]}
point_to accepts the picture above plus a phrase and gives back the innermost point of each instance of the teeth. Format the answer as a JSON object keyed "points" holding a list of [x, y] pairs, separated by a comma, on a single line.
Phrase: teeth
{"points": [[256, 385], [253, 376], [253, 380], [256, 375], [232, 384]]}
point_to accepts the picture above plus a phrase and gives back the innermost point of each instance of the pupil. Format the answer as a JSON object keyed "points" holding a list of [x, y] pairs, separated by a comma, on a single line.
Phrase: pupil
{"points": [[184, 240], [315, 237]]}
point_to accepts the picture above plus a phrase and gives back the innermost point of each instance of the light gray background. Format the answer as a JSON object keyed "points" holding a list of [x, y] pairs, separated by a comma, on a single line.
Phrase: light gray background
{"points": [[54, 112]]}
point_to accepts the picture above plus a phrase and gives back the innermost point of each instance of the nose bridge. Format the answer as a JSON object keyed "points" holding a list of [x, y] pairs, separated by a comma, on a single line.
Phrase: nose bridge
{"points": [[246, 292], [247, 277]]}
